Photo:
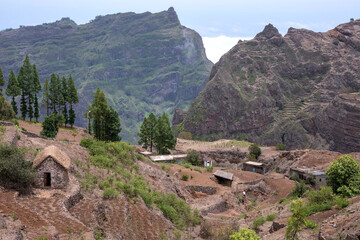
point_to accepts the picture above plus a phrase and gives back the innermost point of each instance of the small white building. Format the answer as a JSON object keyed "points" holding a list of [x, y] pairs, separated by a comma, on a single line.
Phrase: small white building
{"points": [[208, 163]]}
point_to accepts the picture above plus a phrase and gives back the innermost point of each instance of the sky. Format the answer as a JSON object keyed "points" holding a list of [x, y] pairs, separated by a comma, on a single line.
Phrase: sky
{"points": [[221, 23]]}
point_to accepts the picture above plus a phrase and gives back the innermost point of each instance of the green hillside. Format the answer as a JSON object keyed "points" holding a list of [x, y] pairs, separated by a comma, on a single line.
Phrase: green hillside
{"points": [[143, 62]]}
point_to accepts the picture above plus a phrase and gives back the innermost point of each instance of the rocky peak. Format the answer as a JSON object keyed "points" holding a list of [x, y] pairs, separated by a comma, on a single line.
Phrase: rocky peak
{"points": [[268, 32]]}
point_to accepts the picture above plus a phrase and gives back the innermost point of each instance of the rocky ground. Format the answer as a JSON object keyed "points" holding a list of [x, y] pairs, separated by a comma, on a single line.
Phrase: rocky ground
{"points": [[78, 214]]}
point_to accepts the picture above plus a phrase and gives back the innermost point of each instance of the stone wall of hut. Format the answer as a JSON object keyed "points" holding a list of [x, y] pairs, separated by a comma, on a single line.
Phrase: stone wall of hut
{"points": [[59, 175]]}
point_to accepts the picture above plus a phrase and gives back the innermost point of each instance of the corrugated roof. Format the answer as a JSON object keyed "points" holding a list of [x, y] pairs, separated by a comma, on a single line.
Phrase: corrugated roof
{"points": [[224, 174], [146, 153], [158, 158], [254, 163], [179, 156]]}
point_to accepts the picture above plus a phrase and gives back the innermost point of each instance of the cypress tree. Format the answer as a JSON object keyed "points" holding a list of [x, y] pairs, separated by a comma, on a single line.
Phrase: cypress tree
{"points": [[72, 99], [13, 90], [2, 81], [164, 136]]}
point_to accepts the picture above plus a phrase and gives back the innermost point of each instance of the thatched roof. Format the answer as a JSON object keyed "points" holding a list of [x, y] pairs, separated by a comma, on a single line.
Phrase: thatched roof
{"points": [[54, 152]]}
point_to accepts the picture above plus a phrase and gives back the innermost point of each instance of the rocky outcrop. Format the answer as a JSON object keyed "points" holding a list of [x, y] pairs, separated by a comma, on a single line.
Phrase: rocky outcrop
{"points": [[277, 89], [339, 123]]}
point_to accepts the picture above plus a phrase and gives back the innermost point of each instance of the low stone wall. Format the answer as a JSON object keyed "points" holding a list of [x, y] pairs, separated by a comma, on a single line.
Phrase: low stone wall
{"points": [[73, 200], [204, 189]]}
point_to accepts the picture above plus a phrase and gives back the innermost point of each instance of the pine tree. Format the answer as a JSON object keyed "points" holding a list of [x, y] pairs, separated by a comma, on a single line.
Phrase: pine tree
{"points": [[147, 132], [164, 135], [27, 85], [13, 90], [99, 108], [46, 96], [36, 88], [23, 106], [30, 106], [112, 126], [65, 99], [54, 92], [72, 99], [2, 81], [144, 135]]}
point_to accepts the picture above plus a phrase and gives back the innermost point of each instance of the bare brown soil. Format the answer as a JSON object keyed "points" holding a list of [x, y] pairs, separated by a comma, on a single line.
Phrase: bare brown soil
{"points": [[63, 134]]}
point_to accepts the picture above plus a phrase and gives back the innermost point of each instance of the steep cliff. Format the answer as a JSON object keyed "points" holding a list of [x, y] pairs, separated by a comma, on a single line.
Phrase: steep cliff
{"points": [[266, 89], [143, 62]]}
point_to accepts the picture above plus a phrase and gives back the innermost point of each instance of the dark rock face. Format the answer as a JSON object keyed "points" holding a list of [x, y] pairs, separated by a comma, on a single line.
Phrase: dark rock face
{"points": [[143, 62], [275, 89]]}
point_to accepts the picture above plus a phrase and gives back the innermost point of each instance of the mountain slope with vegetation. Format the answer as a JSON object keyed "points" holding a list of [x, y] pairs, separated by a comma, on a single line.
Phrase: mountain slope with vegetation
{"points": [[279, 89], [143, 62]]}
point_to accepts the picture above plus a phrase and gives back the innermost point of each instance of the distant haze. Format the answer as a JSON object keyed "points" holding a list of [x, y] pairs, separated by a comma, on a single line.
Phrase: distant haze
{"points": [[232, 19]]}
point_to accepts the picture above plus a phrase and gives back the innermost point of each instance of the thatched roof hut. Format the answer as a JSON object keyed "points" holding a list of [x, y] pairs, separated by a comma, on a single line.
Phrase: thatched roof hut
{"points": [[55, 153]]}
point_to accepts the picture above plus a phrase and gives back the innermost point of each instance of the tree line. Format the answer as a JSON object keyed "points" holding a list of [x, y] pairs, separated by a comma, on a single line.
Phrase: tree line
{"points": [[58, 95], [157, 132]]}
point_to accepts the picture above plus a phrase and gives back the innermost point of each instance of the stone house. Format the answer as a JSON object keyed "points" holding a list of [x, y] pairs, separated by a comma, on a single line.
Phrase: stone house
{"points": [[224, 178], [52, 167], [313, 176], [253, 167]]}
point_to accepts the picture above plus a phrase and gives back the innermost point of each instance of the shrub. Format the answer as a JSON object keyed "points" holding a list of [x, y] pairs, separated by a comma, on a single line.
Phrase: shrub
{"points": [[300, 188], [109, 193], [244, 234], [187, 165], [209, 169], [185, 177], [344, 176], [104, 185], [280, 146], [336, 41], [258, 222], [193, 157], [15, 172], [51, 125], [254, 150], [310, 224], [297, 220], [6, 110], [342, 202], [270, 217], [198, 170]]}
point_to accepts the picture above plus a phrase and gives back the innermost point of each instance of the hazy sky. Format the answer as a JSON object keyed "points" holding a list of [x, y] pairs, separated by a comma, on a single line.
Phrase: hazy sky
{"points": [[231, 19]]}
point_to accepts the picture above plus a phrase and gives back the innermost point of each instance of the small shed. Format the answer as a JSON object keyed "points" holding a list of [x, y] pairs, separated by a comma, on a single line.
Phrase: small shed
{"points": [[146, 153], [253, 167], [224, 178], [313, 176], [52, 167], [208, 163]]}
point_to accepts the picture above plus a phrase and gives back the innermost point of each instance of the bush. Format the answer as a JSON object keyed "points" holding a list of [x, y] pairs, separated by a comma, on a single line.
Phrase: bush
{"points": [[344, 176], [342, 202], [300, 189], [270, 217], [297, 220], [15, 172], [254, 150], [185, 177], [209, 169], [258, 222], [244, 234], [198, 170], [110, 193], [280, 147], [193, 157], [310, 224], [6, 110], [50, 125]]}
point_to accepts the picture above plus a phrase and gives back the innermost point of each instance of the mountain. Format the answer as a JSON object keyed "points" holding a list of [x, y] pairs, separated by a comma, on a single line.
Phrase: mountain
{"points": [[283, 89], [143, 62]]}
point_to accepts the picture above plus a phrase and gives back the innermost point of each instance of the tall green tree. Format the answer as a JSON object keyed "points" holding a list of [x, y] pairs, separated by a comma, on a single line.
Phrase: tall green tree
{"points": [[106, 121], [64, 99], [36, 88], [164, 136], [46, 96], [147, 132], [13, 90], [21, 81], [55, 93], [26, 83], [2, 80], [72, 99], [112, 126]]}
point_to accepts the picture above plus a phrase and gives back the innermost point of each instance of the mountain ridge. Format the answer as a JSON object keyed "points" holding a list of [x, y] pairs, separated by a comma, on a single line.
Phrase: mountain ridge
{"points": [[143, 62], [263, 89]]}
